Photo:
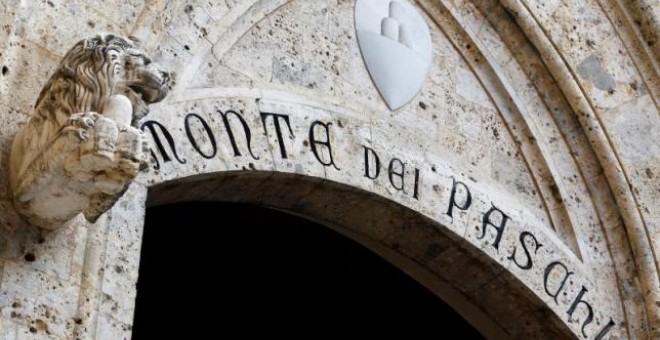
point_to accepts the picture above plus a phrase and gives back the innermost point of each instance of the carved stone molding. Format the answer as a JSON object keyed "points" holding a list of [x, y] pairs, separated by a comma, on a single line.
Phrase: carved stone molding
{"points": [[79, 151]]}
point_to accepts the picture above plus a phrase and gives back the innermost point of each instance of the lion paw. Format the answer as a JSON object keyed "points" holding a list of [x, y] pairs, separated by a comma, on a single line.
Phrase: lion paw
{"points": [[80, 123]]}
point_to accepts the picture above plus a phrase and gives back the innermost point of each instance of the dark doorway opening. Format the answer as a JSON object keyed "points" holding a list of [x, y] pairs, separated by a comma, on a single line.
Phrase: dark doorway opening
{"points": [[220, 268]]}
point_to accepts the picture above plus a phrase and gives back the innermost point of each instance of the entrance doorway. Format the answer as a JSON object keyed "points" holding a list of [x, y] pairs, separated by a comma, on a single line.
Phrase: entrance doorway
{"points": [[226, 267]]}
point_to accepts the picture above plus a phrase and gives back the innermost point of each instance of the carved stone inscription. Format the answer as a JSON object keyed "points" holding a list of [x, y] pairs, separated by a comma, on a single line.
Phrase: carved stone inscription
{"points": [[400, 176], [78, 152]]}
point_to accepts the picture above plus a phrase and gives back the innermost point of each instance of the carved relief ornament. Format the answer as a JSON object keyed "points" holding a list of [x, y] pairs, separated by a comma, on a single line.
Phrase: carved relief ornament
{"points": [[79, 150]]}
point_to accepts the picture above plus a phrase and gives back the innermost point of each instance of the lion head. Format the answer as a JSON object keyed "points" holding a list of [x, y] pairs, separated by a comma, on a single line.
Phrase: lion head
{"points": [[97, 68]]}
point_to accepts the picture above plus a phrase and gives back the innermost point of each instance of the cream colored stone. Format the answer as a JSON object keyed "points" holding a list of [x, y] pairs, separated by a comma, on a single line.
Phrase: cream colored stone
{"points": [[517, 107], [68, 158]]}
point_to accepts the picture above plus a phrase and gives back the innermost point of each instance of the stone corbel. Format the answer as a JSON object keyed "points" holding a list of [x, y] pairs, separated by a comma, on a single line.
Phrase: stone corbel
{"points": [[79, 151]]}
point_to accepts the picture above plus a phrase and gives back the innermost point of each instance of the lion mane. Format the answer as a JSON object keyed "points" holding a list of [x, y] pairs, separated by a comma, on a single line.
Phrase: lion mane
{"points": [[92, 71]]}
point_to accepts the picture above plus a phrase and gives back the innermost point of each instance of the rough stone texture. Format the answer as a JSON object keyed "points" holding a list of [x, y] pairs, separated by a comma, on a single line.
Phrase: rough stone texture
{"points": [[546, 110]]}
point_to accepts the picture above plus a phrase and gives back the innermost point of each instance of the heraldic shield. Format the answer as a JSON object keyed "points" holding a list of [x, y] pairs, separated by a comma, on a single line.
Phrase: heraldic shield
{"points": [[396, 46]]}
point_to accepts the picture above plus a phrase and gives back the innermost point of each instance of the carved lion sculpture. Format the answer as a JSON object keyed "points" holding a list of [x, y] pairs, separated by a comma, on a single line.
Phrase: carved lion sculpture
{"points": [[79, 151]]}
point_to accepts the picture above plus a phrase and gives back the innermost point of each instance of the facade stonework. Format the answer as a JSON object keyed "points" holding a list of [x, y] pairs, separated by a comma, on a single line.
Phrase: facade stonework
{"points": [[521, 184]]}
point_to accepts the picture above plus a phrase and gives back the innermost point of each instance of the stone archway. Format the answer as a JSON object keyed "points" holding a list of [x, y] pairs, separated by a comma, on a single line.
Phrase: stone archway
{"points": [[477, 287]]}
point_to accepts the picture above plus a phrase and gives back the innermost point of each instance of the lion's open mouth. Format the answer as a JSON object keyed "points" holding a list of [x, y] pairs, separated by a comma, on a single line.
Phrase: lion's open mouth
{"points": [[152, 85], [149, 94]]}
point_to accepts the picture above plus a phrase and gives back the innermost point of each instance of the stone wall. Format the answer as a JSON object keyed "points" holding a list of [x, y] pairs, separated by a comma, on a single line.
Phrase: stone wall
{"points": [[532, 151]]}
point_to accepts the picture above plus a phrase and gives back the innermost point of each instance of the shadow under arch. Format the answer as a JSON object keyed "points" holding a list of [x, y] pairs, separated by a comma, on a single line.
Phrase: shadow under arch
{"points": [[482, 291], [288, 275]]}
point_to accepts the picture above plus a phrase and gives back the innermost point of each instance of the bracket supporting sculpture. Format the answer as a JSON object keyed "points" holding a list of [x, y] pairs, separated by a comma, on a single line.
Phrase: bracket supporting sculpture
{"points": [[79, 150]]}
